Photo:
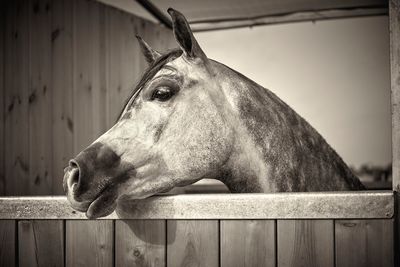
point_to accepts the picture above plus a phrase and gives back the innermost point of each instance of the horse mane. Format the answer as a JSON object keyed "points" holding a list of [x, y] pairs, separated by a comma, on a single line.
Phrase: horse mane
{"points": [[149, 73]]}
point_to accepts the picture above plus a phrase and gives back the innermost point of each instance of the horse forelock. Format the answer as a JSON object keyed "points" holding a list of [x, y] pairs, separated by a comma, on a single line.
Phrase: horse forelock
{"points": [[150, 72]]}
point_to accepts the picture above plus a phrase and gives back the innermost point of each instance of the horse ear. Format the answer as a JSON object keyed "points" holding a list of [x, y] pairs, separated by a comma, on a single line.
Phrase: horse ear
{"points": [[184, 35], [149, 53]]}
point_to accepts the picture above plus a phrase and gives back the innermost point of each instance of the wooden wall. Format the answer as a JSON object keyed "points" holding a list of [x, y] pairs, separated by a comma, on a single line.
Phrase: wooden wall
{"points": [[207, 243], [66, 68]]}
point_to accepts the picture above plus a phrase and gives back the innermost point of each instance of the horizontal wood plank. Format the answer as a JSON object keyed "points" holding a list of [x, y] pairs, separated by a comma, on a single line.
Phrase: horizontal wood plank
{"points": [[314, 15], [327, 205]]}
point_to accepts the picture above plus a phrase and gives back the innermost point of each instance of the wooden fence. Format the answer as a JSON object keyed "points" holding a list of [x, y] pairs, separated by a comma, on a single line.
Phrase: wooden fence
{"points": [[285, 229]]}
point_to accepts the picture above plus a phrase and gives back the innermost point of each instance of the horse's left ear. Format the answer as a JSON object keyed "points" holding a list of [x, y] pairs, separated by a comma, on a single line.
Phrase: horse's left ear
{"points": [[184, 36], [149, 53]]}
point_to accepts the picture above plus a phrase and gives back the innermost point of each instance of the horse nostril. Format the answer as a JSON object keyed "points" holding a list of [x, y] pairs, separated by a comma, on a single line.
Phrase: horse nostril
{"points": [[73, 179]]}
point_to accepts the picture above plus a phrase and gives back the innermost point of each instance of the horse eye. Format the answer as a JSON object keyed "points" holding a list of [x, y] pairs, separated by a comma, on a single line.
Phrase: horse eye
{"points": [[162, 94]]}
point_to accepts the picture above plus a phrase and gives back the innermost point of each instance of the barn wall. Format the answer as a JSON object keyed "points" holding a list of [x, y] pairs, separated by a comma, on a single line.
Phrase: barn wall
{"points": [[66, 69]]}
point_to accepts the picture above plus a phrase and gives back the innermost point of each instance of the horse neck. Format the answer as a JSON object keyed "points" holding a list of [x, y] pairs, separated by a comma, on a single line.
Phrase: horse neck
{"points": [[275, 149]]}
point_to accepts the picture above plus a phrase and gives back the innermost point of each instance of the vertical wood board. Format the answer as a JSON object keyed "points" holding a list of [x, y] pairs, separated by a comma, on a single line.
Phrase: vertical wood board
{"points": [[16, 99], [394, 35], [86, 73], [305, 243], [247, 243], [192, 243], [140, 242], [394, 24], [41, 243], [2, 95], [364, 243], [40, 97], [7, 243], [62, 84], [123, 55], [89, 243]]}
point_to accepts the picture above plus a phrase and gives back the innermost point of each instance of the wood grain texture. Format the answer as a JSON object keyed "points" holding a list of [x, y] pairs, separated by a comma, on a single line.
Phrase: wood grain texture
{"points": [[362, 205], [16, 98], [396, 230], [394, 35], [192, 243], [40, 97], [394, 26], [41, 243], [140, 243], [316, 205], [125, 62], [69, 67], [89, 243], [364, 243], [7, 243], [305, 243], [99, 78], [88, 102], [123, 57], [62, 84], [247, 243], [296, 16], [2, 95]]}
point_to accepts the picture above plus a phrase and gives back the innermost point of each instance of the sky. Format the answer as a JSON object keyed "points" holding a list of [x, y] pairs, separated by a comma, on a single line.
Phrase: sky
{"points": [[334, 73]]}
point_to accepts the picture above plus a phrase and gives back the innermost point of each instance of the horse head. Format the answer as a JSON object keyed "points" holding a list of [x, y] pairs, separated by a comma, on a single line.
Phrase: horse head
{"points": [[172, 132], [191, 117]]}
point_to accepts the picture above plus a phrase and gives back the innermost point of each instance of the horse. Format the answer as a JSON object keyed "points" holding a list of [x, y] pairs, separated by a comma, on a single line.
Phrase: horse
{"points": [[191, 117]]}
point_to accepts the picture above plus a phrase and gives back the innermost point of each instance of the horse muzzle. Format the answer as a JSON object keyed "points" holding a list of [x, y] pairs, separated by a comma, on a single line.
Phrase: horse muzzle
{"points": [[88, 180], [70, 184]]}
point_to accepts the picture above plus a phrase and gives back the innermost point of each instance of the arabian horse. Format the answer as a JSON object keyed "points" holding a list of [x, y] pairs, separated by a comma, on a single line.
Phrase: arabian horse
{"points": [[190, 118]]}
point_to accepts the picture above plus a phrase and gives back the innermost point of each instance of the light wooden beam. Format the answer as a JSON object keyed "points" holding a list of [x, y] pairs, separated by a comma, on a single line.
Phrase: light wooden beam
{"points": [[204, 25], [321, 205], [394, 24]]}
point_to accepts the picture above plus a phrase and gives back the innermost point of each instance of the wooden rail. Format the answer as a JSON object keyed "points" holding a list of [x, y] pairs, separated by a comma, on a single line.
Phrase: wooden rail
{"points": [[326, 205], [285, 229]]}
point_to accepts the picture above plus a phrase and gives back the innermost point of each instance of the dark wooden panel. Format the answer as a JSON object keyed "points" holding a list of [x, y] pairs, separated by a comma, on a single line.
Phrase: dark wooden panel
{"points": [[7, 242], [89, 243], [16, 98], [192, 243], [62, 84], [140, 242], [2, 95], [41, 243], [305, 243], [69, 65], [40, 97], [247, 243], [99, 78], [123, 60], [364, 243], [161, 38], [88, 96]]}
